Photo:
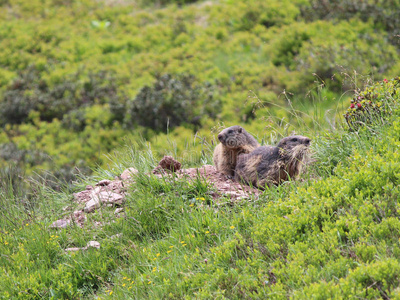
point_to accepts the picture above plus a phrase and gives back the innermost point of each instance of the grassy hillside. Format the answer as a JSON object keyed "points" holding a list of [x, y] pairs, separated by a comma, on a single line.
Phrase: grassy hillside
{"points": [[335, 234], [94, 87], [79, 77]]}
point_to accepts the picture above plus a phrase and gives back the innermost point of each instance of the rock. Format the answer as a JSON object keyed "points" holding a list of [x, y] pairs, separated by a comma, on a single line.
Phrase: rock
{"points": [[116, 236], [117, 186], [105, 197], [73, 249], [118, 210], [128, 173], [83, 196], [63, 223], [79, 217], [97, 224], [103, 182], [93, 244], [92, 205], [109, 197], [167, 163]]}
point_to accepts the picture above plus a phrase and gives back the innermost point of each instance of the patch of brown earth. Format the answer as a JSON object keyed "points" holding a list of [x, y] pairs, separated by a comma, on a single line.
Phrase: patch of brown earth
{"points": [[224, 186], [112, 192], [168, 163]]}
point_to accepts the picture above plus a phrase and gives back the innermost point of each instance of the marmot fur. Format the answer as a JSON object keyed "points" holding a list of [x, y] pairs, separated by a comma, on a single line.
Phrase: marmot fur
{"points": [[269, 165], [234, 141]]}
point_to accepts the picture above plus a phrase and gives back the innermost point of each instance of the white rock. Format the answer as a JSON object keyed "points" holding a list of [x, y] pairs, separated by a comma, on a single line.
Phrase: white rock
{"points": [[108, 197], [118, 210], [60, 224], [116, 236], [93, 244], [73, 249], [128, 173], [91, 205]]}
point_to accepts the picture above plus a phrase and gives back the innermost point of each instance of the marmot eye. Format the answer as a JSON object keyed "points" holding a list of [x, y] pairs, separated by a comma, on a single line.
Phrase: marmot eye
{"points": [[230, 131], [294, 140]]}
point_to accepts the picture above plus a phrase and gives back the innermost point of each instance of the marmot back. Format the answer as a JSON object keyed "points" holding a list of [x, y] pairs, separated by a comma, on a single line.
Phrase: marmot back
{"points": [[234, 141], [269, 165]]}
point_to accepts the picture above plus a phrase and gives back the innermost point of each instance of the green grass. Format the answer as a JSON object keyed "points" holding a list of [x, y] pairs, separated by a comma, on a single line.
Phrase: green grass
{"points": [[334, 234], [277, 69], [71, 71]]}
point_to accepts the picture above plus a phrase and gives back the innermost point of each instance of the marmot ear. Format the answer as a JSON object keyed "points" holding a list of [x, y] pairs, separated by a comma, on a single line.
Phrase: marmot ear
{"points": [[240, 129]]}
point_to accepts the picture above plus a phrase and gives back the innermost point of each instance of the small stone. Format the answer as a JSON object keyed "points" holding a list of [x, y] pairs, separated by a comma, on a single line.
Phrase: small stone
{"points": [[78, 213], [65, 208], [103, 182], [109, 197], [73, 249], [116, 236], [118, 210], [128, 173], [92, 205], [83, 196], [93, 244], [79, 217], [167, 163], [97, 224], [60, 224]]}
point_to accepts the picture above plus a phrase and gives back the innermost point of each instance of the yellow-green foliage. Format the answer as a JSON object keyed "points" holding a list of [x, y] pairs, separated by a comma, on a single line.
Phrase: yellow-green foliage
{"points": [[335, 234], [58, 58], [373, 104]]}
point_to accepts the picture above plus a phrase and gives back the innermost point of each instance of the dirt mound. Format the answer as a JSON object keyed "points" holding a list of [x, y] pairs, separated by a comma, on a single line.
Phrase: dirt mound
{"points": [[112, 192], [168, 163], [223, 185]]}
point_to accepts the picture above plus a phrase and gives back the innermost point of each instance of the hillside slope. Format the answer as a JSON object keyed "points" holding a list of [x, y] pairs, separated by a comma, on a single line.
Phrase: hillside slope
{"points": [[78, 77], [335, 234]]}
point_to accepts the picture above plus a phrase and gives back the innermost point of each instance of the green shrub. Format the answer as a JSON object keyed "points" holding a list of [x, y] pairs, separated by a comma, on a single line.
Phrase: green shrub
{"points": [[166, 2], [372, 105], [323, 51], [385, 14], [173, 101], [29, 92]]}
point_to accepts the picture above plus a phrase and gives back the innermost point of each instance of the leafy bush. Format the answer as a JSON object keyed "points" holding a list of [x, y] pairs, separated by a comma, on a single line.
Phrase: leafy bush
{"points": [[385, 14], [333, 236], [173, 101], [166, 2], [30, 92], [91, 56], [322, 50], [373, 104]]}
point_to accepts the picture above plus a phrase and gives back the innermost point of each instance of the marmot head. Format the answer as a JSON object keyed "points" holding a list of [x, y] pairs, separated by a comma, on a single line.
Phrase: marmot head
{"points": [[294, 141], [233, 137], [293, 150], [293, 153]]}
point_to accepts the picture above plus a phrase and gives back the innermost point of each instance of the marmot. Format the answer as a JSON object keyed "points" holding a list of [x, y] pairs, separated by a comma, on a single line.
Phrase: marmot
{"points": [[234, 141], [269, 165]]}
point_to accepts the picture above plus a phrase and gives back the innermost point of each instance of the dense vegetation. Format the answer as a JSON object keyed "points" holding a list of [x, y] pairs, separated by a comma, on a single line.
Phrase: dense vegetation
{"points": [[80, 77], [96, 86], [336, 234]]}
